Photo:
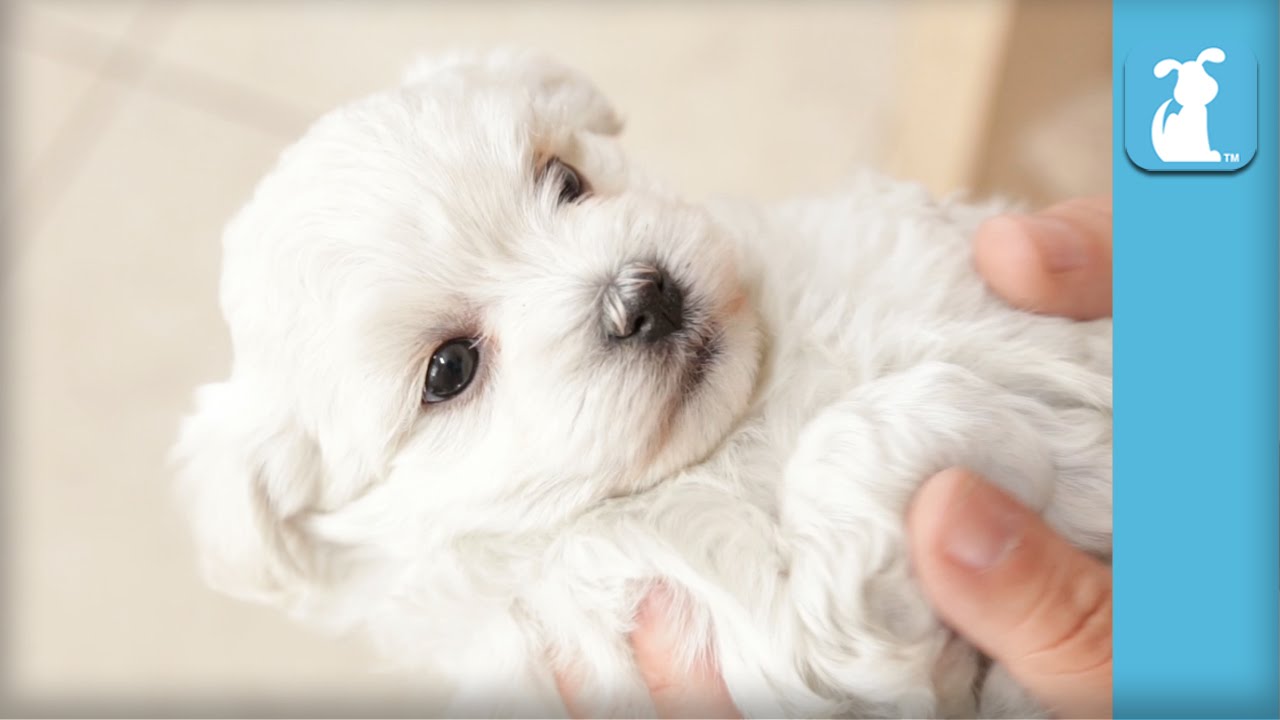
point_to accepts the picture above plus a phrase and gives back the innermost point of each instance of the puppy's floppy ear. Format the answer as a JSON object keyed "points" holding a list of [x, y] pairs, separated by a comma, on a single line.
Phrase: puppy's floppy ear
{"points": [[245, 478], [559, 92]]}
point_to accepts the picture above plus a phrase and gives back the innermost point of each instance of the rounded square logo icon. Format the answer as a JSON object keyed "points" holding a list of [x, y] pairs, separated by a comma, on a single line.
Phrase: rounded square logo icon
{"points": [[1191, 107]]}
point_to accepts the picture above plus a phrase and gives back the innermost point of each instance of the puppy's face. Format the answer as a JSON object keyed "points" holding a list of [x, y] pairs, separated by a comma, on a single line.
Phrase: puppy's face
{"points": [[455, 308]]}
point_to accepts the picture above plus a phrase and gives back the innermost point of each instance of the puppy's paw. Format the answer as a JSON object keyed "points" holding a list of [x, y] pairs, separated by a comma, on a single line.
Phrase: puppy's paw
{"points": [[870, 633], [559, 92]]}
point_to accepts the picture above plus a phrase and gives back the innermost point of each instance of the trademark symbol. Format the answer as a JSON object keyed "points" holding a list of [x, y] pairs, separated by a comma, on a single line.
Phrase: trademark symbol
{"points": [[1230, 157]]}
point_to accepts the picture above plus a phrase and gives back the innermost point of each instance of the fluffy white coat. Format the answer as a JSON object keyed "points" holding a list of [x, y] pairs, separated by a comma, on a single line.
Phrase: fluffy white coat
{"points": [[511, 531]]}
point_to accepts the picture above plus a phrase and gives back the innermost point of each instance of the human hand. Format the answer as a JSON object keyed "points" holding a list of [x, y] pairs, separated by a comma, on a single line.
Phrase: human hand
{"points": [[1038, 605], [1002, 578], [993, 570], [698, 693]]}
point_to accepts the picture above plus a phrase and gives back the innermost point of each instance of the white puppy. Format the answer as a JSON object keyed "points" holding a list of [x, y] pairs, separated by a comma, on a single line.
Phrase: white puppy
{"points": [[490, 383]]}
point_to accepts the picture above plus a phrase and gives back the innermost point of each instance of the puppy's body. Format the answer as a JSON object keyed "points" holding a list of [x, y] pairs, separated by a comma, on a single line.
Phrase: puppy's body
{"points": [[830, 355]]}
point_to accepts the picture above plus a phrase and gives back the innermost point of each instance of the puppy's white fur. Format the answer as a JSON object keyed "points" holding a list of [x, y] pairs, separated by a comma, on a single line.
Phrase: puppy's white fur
{"points": [[511, 531]]}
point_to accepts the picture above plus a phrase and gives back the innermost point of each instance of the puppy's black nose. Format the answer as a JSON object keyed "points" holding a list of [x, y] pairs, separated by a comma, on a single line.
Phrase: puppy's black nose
{"points": [[642, 304]]}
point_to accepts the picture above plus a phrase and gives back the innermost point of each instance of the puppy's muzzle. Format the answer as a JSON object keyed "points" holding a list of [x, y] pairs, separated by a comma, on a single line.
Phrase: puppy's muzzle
{"points": [[642, 304]]}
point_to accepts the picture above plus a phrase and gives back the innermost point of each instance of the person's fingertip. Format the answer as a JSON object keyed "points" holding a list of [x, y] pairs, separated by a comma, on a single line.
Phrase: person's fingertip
{"points": [[964, 533], [655, 606], [676, 691], [933, 497], [960, 517], [1010, 262], [652, 640], [1056, 262], [981, 531], [1059, 243], [569, 688], [1002, 578], [1074, 238]]}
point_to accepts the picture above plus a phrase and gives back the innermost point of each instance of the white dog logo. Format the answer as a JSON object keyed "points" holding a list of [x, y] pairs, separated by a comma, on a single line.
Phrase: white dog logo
{"points": [[1184, 136]]}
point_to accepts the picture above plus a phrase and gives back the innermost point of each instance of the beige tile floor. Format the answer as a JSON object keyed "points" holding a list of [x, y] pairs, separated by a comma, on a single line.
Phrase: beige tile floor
{"points": [[135, 128]]}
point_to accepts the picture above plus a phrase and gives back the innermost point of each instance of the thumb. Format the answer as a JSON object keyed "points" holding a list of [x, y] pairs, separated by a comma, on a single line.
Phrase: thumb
{"points": [[1002, 578]]}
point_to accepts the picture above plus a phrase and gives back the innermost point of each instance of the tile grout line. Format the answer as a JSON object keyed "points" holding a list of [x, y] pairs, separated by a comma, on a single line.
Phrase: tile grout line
{"points": [[59, 164], [207, 93], [128, 68]]}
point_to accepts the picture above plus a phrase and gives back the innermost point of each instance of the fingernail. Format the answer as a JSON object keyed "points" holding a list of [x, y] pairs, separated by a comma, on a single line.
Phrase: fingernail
{"points": [[1059, 242], [982, 528]]}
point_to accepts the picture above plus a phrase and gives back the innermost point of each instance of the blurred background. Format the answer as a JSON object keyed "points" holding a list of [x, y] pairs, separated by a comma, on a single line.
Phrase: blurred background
{"points": [[135, 128]]}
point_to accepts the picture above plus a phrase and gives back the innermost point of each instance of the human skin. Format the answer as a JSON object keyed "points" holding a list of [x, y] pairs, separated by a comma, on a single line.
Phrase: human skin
{"points": [[993, 570]]}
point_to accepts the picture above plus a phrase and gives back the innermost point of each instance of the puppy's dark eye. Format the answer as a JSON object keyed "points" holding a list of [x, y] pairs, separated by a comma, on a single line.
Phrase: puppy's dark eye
{"points": [[571, 185], [450, 371]]}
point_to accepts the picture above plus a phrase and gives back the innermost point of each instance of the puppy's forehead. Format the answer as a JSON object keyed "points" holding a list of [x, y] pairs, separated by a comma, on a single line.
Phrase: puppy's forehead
{"points": [[431, 157], [413, 180], [405, 199]]}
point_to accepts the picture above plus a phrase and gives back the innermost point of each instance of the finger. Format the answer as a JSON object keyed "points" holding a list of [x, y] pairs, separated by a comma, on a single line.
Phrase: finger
{"points": [[1002, 578], [700, 692], [570, 690], [1057, 261], [677, 692]]}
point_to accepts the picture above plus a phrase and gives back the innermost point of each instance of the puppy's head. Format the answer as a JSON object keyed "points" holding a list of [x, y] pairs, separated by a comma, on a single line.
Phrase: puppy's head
{"points": [[456, 309]]}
